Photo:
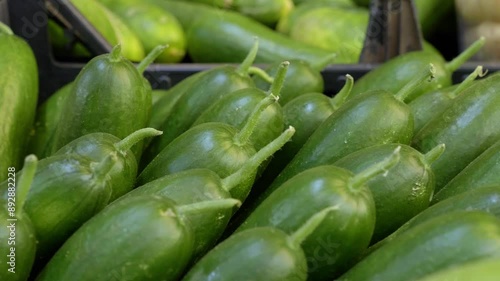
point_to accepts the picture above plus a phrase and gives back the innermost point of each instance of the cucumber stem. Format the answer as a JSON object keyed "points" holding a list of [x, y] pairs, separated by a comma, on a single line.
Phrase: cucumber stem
{"points": [[116, 53], [248, 61], [410, 87], [244, 134], [130, 140], [374, 170], [101, 169], [209, 205], [5, 29], [279, 79], [478, 72], [453, 65], [150, 58], [310, 225], [340, 98], [261, 73], [26, 179], [321, 64], [433, 155], [257, 159]]}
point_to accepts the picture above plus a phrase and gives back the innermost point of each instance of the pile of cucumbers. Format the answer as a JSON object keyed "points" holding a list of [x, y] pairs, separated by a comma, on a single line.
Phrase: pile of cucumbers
{"points": [[308, 30], [247, 173]]}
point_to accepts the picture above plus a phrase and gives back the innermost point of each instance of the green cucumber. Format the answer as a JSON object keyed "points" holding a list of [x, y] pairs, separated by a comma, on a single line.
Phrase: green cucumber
{"points": [[484, 170], [484, 270], [397, 72], [109, 95], [468, 127], [235, 109], [48, 115], [223, 148], [443, 242], [203, 91], [263, 253], [483, 199], [132, 47], [157, 240], [67, 191], [17, 234], [301, 77], [18, 98], [97, 146], [286, 22], [202, 185], [264, 11], [111, 28], [376, 117], [153, 26], [405, 191], [305, 113], [344, 234], [230, 36], [338, 30], [429, 105]]}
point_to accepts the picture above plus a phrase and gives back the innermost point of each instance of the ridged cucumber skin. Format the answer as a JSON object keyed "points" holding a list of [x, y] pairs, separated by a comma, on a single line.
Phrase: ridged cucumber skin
{"points": [[18, 98], [343, 235], [467, 128], [443, 242], [370, 119], [263, 253], [405, 191], [484, 170], [158, 244]]}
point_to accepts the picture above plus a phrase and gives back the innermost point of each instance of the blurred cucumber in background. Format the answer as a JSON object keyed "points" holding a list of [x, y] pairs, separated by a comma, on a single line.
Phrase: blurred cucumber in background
{"points": [[219, 31], [478, 19], [267, 12], [153, 26]]}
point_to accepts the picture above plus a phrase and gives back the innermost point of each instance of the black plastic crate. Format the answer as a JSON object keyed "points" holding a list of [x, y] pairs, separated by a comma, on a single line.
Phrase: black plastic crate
{"points": [[29, 18]]}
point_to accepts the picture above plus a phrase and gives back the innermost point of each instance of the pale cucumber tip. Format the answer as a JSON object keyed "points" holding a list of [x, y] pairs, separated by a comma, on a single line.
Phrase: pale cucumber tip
{"points": [[434, 154], [432, 71], [116, 52], [5, 29], [30, 159], [481, 72]]}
